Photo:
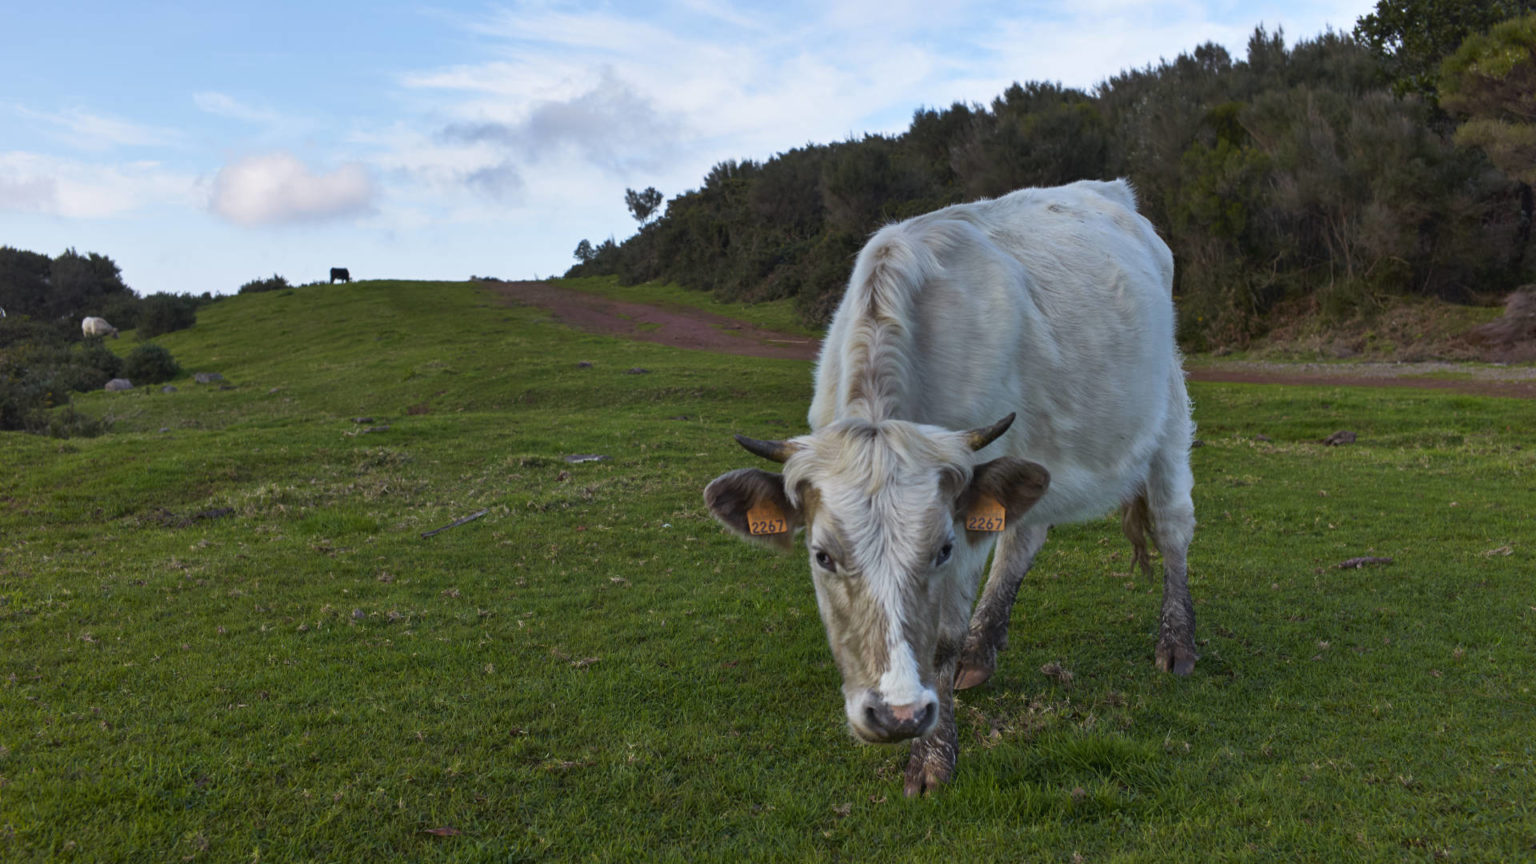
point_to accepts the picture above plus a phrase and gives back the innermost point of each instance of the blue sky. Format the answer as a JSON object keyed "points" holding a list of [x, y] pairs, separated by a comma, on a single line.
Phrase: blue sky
{"points": [[203, 145]]}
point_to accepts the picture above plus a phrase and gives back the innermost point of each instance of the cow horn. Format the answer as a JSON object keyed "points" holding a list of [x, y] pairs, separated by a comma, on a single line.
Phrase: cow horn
{"points": [[778, 451], [984, 435]]}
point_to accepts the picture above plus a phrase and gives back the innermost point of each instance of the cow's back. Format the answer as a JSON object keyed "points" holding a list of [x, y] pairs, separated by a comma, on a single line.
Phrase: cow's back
{"points": [[1055, 303]]}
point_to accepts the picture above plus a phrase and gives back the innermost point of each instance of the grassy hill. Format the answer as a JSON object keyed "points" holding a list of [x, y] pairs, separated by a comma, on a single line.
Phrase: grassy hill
{"points": [[222, 636]]}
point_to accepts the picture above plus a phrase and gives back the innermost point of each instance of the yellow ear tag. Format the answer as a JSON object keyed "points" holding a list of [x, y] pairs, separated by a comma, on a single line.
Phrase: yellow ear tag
{"points": [[985, 515], [766, 518]]}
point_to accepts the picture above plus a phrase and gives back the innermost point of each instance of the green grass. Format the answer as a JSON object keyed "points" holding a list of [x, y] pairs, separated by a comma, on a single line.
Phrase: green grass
{"points": [[594, 671], [776, 315]]}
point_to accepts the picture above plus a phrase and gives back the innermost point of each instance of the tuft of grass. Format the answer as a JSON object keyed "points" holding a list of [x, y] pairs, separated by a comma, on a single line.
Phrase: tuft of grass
{"points": [[223, 638]]}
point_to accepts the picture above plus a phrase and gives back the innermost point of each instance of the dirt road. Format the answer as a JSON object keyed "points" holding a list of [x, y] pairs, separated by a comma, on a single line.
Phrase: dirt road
{"points": [[703, 331]]}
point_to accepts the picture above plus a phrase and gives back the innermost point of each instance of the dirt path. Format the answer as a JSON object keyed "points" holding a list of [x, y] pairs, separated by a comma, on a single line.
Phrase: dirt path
{"points": [[704, 331], [1515, 381], [680, 328]]}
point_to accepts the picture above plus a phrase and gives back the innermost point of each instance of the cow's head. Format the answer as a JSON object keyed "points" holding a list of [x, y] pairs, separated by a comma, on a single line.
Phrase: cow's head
{"points": [[884, 509]]}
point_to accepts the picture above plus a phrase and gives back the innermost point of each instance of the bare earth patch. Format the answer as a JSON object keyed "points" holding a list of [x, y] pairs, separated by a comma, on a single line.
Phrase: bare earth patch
{"points": [[693, 329], [702, 331]]}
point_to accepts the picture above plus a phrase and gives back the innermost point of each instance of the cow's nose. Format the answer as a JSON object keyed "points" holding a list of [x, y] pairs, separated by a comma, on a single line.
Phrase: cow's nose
{"points": [[899, 722]]}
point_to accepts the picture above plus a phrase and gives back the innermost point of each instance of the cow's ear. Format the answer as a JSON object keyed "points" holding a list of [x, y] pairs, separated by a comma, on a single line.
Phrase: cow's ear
{"points": [[752, 503], [1016, 484]]}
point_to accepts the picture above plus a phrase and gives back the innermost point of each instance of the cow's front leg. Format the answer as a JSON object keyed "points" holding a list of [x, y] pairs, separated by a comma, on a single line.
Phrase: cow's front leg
{"points": [[1016, 551], [932, 761]]}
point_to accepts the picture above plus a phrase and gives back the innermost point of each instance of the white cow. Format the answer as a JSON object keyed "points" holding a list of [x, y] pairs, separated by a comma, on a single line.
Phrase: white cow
{"points": [[93, 326], [1053, 304]]}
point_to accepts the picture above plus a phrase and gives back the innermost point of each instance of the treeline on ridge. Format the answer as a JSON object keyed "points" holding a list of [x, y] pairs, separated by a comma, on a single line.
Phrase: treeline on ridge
{"points": [[1324, 176]]}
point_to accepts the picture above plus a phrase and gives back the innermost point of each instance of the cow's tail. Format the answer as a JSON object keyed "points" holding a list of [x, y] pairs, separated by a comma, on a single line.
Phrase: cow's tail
{"points": [[1135, 521]]}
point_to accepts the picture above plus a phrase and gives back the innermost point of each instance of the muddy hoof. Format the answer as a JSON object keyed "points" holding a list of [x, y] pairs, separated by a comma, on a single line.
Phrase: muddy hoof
{"points": [[972, 676], [925, 775], [977, 663]]}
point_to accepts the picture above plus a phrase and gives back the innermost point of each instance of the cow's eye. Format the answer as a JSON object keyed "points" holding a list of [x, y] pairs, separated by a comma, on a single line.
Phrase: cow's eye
{"points": [[945, 551], [825, 562]]}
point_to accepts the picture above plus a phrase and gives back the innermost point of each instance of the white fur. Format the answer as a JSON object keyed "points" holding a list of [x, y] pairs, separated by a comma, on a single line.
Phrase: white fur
{"points": [[94, 326], [1055, 303], [1052, 303]]}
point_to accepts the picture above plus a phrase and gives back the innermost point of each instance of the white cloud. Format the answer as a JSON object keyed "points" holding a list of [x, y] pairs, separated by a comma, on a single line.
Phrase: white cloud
{"points": [[224, 105], [28, 194], [611, 125], [277, 187], [85, 130], [34, 183]]}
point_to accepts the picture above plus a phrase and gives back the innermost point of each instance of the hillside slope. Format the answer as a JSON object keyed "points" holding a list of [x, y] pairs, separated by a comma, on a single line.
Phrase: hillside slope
{"points": [[223, 636]]}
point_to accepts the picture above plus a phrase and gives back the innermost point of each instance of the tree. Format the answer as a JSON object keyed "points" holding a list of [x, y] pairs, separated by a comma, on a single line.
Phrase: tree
{"points": [[1491, 80], [80, 282], [584, 251], [1411, 37], [642, 205], [24, 281]]}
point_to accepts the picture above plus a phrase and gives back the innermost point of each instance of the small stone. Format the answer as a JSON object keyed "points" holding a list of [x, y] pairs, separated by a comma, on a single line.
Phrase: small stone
{"points": [[1343, 436], [207, 377], [585, 364], [168, 389], [585, 457], [636, 370], [117, 384]]}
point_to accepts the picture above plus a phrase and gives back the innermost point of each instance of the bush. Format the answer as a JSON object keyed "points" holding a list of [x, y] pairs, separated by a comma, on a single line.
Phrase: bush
{"points": [[98, 356], [121, 309], [166, 313], [150, 364], [256, 286], [23, 331], [69, 423]]}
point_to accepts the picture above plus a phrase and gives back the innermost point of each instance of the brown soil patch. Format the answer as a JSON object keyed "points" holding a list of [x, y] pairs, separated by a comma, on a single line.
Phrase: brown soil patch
{"points": [[702, 331], [681, 328]]}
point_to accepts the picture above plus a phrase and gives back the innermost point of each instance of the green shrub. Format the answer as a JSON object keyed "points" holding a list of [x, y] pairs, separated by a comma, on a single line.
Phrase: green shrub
{"points": [[98, 357], [69, 423], [150, 364], [121, 309], [24, 331], [256, 286], [166, 313]]}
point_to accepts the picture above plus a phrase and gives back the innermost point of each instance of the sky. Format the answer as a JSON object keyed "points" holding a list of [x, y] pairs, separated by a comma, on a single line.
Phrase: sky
{"points": [[203, 145]]}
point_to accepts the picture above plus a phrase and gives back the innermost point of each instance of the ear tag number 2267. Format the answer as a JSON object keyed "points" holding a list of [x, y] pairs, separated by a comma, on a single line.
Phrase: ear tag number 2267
{"points": [[766, 519], [985, 515]]}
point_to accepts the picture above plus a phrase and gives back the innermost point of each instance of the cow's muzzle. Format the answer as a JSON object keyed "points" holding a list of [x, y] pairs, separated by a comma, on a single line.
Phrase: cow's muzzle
{"points": [[880, 723]]}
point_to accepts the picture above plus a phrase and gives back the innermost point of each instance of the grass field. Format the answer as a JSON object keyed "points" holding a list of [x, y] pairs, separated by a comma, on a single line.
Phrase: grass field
{"points": [[222, 637]]}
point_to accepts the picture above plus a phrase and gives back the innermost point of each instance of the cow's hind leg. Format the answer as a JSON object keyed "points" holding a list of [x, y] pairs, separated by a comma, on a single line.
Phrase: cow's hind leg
{"points": [[1172, 513], [988, 634]]}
